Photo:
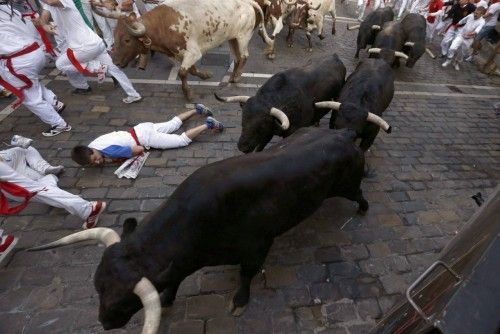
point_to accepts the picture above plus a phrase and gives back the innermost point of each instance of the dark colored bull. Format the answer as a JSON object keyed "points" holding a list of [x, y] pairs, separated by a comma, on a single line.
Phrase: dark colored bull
{"points": [[368, 91], [389, 43], [225, 213], [414, 28], [290, 96], [371, 25], [298, 20]]}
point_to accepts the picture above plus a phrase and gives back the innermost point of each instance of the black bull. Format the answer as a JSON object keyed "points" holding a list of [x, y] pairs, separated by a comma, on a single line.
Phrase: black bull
{"points": [[294, 92], [225, 213], [414, 28], [368, 91], [388, 44]]}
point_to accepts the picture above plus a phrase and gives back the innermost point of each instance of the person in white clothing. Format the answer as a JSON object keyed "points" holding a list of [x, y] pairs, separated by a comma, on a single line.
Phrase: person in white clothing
{"points": [[121, 145], [86, 52], [21, 60], [470, 27], [25, 171], [488, 31], [103, 23]]}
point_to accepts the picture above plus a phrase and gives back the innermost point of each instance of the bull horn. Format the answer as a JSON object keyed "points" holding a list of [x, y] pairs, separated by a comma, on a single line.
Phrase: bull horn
{"points": [[409, 43], [379, 121], [136, 28], [429, 52], [240, 98], [150, 299], [374, 50], [104, 235], [328, 105], [401, 55], [280, 115], [319, 5], [356, 26], [376, 27]]}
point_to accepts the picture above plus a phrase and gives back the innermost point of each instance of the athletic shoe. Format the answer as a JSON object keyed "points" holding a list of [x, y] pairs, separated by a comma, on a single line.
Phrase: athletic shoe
{"points": [[21, 141], [81, 91], [101, 73], [446, 63], [5, 93], [202, 110], [132, 99], [55, 130], [59, 107], [214, 124], [7, 244], [457, 67], [56, 170], [97, 208]]}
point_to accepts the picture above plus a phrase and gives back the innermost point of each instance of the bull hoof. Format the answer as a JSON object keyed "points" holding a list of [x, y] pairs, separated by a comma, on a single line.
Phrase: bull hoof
{"points": [[235, 79], [205, 75], [321, 37], [236, 311], [189, 95], [361, 212], [271, 56], [309, 49], [290, 45]]}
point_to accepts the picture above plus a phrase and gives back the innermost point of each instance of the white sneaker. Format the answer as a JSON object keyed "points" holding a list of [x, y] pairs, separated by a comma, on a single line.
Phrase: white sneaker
{"points": [[55, 130], [59, 106], [21, 141], [446, 63], [457, 67], [132, 99]]}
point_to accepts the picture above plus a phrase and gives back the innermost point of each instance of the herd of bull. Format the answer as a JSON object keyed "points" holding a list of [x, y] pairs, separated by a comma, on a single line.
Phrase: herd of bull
{"points": [[229, 212]]}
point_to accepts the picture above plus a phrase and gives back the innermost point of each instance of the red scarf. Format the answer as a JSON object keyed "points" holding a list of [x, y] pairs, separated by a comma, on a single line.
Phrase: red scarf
{"points": [[434, 6], [14, 190]]}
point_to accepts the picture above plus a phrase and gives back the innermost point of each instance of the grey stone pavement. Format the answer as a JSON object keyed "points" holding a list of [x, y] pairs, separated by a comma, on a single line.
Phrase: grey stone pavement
{"points": [[336, 272]]}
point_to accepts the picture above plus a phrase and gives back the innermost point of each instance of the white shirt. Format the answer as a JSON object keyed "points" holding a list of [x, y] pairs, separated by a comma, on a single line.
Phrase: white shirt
{"points": [[494, 10], [119, 138], [71, 27], [15, 34], [471, 25]]}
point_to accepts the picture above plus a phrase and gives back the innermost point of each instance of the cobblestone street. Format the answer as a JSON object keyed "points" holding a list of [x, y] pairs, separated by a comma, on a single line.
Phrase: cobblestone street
{"points": [[337, 272]]}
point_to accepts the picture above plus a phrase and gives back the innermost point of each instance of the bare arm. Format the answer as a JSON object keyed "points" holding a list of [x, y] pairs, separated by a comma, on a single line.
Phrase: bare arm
{"points": [[54, 3]]}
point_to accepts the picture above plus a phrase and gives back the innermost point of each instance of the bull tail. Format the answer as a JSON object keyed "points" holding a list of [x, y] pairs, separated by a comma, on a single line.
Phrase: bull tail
{"points": [[262, 31]]}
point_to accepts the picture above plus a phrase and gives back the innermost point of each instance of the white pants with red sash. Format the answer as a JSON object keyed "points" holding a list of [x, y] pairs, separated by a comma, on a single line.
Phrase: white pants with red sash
{"points": [[48, 192], [87, 61], [37, 98], [159, 135], [450, 35]]}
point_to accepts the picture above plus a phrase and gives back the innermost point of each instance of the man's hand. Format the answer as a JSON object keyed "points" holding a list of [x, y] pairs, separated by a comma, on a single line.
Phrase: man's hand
{"points": [[137, 150], [50, 28]]}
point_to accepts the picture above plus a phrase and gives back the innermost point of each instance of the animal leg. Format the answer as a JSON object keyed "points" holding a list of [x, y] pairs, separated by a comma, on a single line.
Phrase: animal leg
{"points": [[289, 37], [233, 44], [242, 44], [308, 35], [170, 281], [333, 13], [362, 202], [320, 29], [203, 75], [357, 53], [190, 58], [368, 137]]}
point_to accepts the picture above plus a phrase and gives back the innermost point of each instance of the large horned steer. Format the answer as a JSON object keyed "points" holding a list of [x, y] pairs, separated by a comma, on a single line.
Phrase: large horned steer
{"points": [[414, 28], [225, 213], [388, 44], [367, 92], [285, 102], [185, 30], [369, 28]]}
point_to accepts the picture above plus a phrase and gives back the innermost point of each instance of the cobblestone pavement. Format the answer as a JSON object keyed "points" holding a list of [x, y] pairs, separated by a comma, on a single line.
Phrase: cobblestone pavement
{"points": [[337, 272]]}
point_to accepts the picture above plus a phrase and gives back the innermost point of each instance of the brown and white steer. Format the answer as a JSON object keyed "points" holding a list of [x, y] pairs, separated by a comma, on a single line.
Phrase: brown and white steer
{"points": [[316, 15], [185, 30]]}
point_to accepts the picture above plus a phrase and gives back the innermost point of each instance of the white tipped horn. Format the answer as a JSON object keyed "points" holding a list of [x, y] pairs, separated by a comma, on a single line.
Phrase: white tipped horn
{"points": [[104, 235], [379, 121], [376, 27], [374, 50], [240, 98], [356, 26], [429, 52], [150, 299], [328, 105], [280, 115], [401, 55], [409, 43]]}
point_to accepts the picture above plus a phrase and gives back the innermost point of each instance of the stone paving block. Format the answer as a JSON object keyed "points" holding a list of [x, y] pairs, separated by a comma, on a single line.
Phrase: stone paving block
{"points": [[280, 276], [378, 266], [187, 327], [328, 254], [368, 308], [354, 252], [205, 306], [225, 325], [340, 311], [52, 321]]}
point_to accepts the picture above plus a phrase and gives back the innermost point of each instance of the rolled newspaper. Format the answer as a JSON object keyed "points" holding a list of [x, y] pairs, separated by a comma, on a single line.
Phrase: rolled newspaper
{"points": [[131, 167]]}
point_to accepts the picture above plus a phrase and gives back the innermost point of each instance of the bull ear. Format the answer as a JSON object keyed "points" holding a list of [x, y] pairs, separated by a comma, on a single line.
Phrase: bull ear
{"points": [[129, 226]]}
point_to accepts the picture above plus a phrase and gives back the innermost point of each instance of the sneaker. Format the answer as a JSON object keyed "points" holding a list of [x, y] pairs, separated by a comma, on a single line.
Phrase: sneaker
{"points": [[56, 170], [97, 208], [21, 141], [132, 99], [59, 106], [81, 91], [7, 244], [55, 130], [5, 93], [446, 63], [202, 110], [214, 124], [457, 67], [101, 73]]}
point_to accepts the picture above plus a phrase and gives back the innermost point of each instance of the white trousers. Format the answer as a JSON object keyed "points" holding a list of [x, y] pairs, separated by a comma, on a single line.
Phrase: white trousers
{"points": [[419, 7], [48, 192], [447, 39], [27, 161], [92, 58], [159, 135], [403, 4], [38, 99], [150, 6], [102, 23], [432, 28], [460, 42]]}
